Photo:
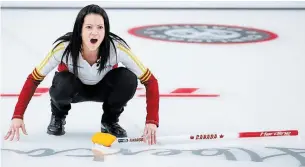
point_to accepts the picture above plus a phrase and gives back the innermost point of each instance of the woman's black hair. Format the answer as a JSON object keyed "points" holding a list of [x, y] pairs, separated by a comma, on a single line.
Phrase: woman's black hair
{"points": [[75, 40]]}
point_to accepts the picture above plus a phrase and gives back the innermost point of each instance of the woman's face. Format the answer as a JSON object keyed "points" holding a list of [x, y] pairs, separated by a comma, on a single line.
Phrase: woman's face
{"points": [[93, 31]]}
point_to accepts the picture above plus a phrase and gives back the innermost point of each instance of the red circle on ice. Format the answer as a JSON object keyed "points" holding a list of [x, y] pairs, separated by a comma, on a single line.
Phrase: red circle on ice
{"points": [[203, 33]]}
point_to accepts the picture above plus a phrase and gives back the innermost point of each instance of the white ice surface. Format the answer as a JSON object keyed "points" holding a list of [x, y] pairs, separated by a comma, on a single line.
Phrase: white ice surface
{"points": [[261, 87]]}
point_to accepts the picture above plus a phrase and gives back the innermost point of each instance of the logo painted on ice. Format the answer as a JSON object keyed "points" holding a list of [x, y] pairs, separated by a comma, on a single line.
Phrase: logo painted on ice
{"points": [[203, 33], [279, 154]]}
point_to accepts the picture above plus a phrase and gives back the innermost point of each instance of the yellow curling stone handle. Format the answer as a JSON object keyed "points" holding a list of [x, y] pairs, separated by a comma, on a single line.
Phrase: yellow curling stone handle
{"points": [[104, 139]]}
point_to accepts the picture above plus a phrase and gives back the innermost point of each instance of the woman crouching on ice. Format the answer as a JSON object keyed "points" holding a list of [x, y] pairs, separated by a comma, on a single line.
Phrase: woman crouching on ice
{"points": [[87, 70]]}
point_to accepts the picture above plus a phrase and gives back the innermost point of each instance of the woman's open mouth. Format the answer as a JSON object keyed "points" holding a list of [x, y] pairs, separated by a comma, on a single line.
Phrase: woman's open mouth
{"points": [[93, 41]]}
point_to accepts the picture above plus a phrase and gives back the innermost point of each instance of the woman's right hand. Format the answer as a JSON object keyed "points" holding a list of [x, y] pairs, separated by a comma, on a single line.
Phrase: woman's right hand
{"points": [[14, 129]]}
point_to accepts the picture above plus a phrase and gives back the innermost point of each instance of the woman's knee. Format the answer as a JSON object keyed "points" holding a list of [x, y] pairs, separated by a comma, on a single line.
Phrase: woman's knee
{"points": [[126, 78], [123, 85], [63, 86]]}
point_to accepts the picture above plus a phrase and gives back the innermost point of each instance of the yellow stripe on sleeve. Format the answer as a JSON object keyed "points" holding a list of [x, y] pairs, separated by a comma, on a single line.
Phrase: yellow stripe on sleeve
{"points": [[145, 76], [50, 54], [133, 57], [36, 75]]}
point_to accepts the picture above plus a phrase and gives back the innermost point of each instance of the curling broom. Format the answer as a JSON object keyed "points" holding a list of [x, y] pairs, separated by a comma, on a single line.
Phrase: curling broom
{"points": [[108, 140]]}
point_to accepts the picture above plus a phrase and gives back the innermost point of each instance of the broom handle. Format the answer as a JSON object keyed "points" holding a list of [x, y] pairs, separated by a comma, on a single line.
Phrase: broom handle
{"points": [[215, 136]]}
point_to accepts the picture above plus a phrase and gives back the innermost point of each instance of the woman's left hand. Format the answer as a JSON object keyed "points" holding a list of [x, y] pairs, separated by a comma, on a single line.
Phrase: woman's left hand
{"points": [[149, 135]]}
